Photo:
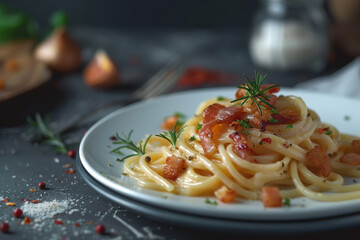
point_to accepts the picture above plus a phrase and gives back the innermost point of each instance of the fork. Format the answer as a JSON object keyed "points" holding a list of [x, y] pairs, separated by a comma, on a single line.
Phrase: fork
{"points": [[158, 84]]}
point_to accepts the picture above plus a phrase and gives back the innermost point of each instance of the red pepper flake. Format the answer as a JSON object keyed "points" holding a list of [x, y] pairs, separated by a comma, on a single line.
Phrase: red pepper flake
{"points": [[4, 227], [70, 171], [320, 130], [100, 229], [286, 145], [265, 140], [113, 138], [27, 220], [58, 222], [5, 199], [77, 224], [23, 200], [67, 165], [18, 213], [71, 153], [35, 201], [42, 185]]}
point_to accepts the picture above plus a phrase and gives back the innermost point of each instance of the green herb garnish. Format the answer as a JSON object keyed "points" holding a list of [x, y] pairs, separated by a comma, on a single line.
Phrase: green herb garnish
{"points": [[199, 126], [172, 136], [273, 120], [208, 201], [289, 126], [244, 124], [192, 139], [126, 142], [328, 131], [220, 98], [274, 111], [246, 132], [40, 130], [255, 93], [287, 202], [346, 117]]}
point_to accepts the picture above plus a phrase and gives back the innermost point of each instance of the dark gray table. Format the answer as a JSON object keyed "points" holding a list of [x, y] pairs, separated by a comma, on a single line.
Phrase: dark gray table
{"points": [[23, 164]]}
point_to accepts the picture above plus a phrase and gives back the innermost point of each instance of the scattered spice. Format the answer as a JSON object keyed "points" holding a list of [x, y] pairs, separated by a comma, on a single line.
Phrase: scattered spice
{"points": [[148, 159], [58, 222], [265, 140], [18, 213], [68, 165], [32, 190], [42, 185], [113, 138], [10, 204], [4, 227], [90, 222], [125, 174], [35, 201], [110, 165], [77, 224], [100, 229], [5, 200], [27, 220], [71, 153], [70, 171]]}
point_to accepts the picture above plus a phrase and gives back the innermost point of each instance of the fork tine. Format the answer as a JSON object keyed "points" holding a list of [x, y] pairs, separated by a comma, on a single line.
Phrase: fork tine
{"points": [[166, 83], [158, 78]]}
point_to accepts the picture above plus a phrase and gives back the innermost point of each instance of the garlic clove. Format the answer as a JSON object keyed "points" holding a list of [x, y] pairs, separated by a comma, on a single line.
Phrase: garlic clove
{"points": [[101, 72], [60, 52]]}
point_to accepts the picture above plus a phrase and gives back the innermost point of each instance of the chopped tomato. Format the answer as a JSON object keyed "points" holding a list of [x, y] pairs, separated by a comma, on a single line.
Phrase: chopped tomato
{"points": [[173, 167], [169, 123], [318, 159], [225, 194], [351, 158], [241, 147], [356, 146], [270, 196]]}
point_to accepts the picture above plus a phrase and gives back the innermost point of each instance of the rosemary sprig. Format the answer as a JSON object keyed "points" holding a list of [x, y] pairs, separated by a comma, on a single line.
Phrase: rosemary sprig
{"points": [[172, 136], [255, 93], [40, 130], [126, 142]]}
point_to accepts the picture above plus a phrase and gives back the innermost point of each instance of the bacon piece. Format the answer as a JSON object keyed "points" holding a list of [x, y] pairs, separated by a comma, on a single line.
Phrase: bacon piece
{"points": [[241, 147], [318, 159], [213, 115], [351, 158], [225, 194], [173, 167], [356, 146], [270, 196]]}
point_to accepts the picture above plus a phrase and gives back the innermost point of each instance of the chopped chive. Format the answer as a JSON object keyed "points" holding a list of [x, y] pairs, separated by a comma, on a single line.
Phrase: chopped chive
{"points": [[274, 111], [244, 124], [192, 138], [273, 120], [208, 201], [287, 202], [289, 126], [220, 98], [199, 126]]}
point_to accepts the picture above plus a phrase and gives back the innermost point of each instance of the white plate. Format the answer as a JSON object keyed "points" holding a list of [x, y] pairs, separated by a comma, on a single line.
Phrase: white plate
{"points": [[146, 117]]}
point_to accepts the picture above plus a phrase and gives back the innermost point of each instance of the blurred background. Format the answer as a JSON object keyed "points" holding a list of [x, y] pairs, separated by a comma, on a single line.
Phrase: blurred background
{"points": [[65, 47]]}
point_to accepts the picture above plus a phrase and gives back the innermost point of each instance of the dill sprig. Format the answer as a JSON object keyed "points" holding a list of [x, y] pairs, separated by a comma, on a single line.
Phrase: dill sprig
{"points": [[172, 136], [255, 93], [126, 142], [40, 130]]}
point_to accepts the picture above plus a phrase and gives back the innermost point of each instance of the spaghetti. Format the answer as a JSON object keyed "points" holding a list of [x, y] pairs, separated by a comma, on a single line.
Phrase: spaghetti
{"points": [[232, 144]]}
